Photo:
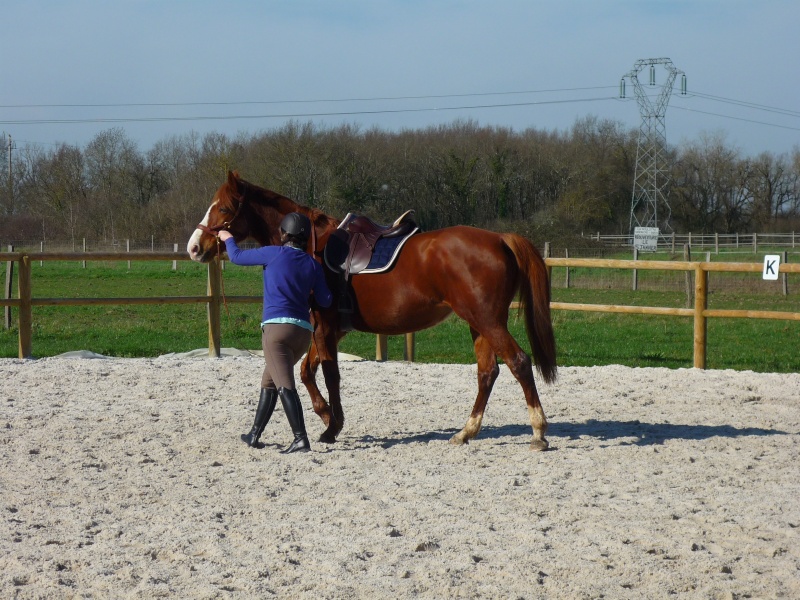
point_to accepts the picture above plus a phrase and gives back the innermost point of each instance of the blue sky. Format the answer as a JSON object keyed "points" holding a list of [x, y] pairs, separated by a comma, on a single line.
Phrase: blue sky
{"points": [[71, 69]]}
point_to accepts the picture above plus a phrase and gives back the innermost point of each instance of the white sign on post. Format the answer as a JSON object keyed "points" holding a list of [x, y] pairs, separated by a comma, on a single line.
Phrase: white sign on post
{"points": [[771, 264], [645, 238]]}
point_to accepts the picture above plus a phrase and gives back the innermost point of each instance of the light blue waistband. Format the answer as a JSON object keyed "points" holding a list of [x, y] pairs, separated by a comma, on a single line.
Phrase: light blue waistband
{"points": [[289, 321]]}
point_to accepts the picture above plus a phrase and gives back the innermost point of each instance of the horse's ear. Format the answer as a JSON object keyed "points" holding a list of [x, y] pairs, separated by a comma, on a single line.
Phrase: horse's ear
{"points": [[234, 183]]}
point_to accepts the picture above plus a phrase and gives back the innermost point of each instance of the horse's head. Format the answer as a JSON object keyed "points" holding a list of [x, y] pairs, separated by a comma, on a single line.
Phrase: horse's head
{"points": [[249, 211], [227, 211]]}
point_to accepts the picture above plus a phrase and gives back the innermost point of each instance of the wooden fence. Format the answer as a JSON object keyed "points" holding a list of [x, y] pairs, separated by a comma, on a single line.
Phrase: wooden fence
{"points": [[730, 241], [214, 298], [25, 300]]}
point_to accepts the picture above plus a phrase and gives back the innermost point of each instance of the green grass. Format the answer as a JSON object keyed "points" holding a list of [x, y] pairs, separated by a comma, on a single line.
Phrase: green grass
{"points": [[583, 338]]}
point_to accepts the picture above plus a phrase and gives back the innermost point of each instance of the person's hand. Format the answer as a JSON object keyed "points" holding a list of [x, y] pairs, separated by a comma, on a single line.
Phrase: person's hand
{"points": [[224, 235]]}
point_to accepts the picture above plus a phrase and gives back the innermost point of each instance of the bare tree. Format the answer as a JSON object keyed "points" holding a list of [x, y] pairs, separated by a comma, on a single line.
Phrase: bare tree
{"points": [[57, 190], [710, 190], [772, 186]]}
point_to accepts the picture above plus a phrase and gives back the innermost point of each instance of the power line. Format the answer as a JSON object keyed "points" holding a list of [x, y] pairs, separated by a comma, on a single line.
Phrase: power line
{"points": [[352, 113], [301, 101], [783, 111], [293, 115], [705, 112], [741, 103]]}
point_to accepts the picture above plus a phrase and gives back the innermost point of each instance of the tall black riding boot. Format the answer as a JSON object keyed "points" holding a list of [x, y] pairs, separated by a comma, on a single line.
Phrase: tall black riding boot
{"points": [[266, 404], [294, 414]]}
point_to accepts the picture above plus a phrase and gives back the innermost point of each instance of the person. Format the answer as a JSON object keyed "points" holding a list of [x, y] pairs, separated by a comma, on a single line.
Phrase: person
{"points": [[291, 276]]}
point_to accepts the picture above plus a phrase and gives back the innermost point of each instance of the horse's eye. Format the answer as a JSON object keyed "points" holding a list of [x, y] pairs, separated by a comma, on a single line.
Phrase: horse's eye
{"points": [[224, 211]]}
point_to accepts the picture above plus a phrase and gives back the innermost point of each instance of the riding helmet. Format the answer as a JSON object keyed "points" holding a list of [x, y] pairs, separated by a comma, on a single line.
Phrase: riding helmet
{"points": [[296, 225]]}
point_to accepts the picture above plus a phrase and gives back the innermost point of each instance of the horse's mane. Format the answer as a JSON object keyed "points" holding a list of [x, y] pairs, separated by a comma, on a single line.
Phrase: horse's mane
{"points": [[236, 190]]}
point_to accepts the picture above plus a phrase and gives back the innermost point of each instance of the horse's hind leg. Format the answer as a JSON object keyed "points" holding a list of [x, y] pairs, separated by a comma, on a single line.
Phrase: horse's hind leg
{"points": [[487, 375], [519, 363]]}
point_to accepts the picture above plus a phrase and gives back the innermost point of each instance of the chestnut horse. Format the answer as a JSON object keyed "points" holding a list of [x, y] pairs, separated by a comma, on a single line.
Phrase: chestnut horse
{"points": [[472, 272]]}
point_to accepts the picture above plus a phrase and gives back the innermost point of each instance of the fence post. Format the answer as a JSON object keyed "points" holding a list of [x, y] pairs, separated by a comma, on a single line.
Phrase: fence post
{"points": [[9, 283], [687, 256], [716, 243], [673, 242], [84, 249], [381, 347], [566, 282], [700, 323], [175, 262], [410, 347], [128, 250], [785, 259], [214, 292], [549, 268], [635, 271], [755, 243], [25, 313]]}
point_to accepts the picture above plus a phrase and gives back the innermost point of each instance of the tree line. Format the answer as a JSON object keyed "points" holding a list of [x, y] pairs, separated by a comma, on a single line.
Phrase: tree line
{"points": [[544, 184]]}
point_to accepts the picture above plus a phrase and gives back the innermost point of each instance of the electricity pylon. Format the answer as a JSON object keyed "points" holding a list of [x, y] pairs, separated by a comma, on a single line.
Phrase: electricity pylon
{"points": [[652, 173]]}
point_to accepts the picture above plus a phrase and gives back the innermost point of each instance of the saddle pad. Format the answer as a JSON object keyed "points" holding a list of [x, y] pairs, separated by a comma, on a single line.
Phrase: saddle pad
{"points": [[386, 252]]}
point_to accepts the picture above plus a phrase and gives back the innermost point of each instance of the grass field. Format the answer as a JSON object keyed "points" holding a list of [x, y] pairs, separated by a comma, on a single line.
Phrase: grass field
{"points": [[583, 338]]}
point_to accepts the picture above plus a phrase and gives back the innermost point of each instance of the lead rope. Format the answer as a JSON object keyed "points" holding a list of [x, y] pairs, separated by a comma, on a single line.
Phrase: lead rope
{"points": [[221, 278]]}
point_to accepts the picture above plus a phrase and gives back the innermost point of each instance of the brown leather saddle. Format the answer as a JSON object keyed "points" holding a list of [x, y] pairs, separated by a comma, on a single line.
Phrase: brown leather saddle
{"points": [[359, 245], [351, 248]]}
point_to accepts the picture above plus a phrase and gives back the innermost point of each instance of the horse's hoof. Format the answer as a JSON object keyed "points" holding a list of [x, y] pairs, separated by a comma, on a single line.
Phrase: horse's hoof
{"points": [[539, 445], [327, 438], [458, 441]]}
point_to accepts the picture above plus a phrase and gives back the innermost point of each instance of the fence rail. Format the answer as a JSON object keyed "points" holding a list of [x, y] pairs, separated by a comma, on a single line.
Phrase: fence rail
{"points": [[214, 297], [745, 241], [700, 312]]}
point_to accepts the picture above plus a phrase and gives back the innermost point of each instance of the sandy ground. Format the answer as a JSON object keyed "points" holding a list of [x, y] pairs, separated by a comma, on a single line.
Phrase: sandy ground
{"points": [[127, 479]]}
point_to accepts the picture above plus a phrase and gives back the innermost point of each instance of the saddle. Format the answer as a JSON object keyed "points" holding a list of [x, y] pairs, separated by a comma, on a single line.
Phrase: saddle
{"points": [[352, 247], [359, 245]]}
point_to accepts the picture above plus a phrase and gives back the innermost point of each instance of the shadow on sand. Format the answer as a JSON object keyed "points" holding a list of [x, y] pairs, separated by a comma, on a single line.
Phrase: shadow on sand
{"points": [[635, 433]]}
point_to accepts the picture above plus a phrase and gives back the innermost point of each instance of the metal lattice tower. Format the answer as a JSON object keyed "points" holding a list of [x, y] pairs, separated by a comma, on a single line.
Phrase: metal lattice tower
{"points": [[649, 206]]}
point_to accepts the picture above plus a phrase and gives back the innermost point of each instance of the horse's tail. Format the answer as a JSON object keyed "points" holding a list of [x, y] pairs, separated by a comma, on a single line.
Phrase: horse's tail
{"points": [[534, 302]]}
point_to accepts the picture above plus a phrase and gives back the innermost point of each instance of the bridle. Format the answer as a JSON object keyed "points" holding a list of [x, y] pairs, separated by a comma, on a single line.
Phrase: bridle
{"points": [[215, 232], [223, 226]]}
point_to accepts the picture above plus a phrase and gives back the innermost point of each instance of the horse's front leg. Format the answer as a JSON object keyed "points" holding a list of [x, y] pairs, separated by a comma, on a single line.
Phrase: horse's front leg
{"points": [[325, 352], [308, 370], [330, 370]]}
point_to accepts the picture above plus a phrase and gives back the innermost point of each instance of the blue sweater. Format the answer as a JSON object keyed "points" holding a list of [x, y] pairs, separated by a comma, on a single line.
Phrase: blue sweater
{"points": [[290, 275]]}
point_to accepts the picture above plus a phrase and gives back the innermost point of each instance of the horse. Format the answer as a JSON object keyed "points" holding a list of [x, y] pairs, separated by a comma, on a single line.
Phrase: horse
{"points": [[471, 272]]}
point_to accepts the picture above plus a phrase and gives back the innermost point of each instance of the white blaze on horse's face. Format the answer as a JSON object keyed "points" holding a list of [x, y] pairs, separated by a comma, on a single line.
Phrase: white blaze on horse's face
{"points": [[193, 247]]}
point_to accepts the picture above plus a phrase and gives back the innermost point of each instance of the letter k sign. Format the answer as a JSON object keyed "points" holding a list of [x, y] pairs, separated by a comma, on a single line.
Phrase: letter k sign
{"points": [[771, 264]]}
